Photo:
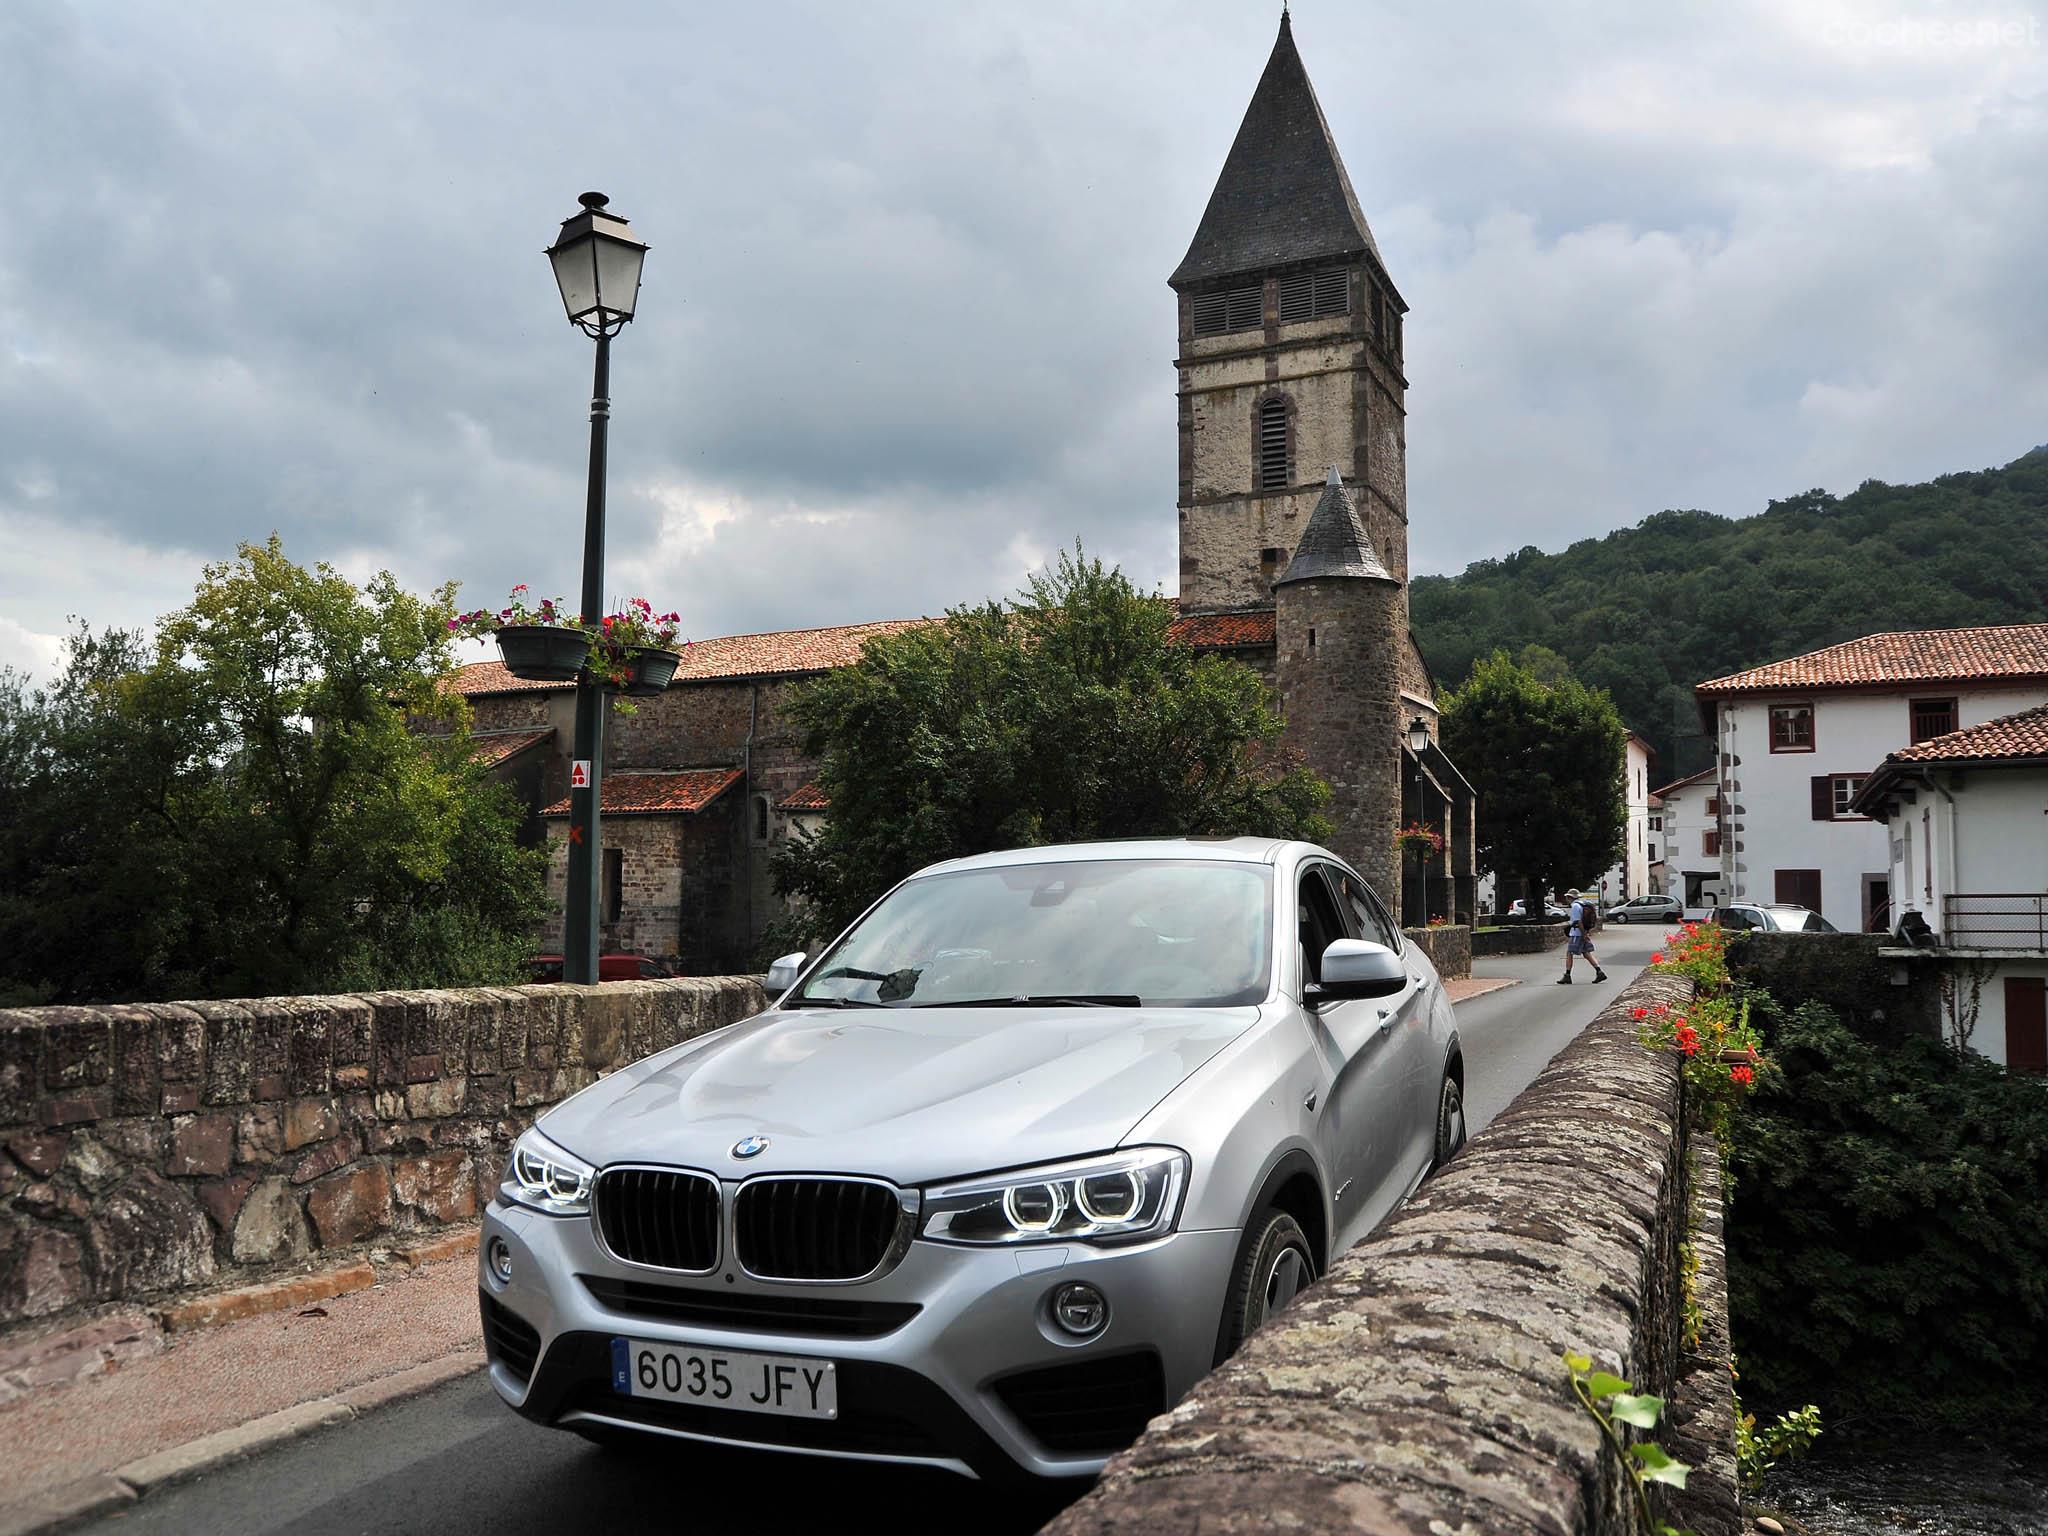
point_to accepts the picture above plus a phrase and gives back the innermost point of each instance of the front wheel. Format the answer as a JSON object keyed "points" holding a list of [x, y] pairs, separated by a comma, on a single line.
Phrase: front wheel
{"points": [[1450, 1121], [1274, 1266], [1618, 917]]}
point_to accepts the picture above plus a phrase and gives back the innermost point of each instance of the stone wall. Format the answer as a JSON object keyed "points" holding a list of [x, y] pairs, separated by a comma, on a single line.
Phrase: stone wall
{"points": [[162, 1147], [1519, 939], [1419, 1386], [1449, 948]]}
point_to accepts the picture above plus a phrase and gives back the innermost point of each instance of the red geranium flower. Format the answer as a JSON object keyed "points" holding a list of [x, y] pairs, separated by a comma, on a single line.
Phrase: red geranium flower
{"points": [[1640, 1013], [1742, 1075]]}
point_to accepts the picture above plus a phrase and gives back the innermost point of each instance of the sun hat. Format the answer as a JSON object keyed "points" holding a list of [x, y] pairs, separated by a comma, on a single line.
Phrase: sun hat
{"points": [[1573, 892]]}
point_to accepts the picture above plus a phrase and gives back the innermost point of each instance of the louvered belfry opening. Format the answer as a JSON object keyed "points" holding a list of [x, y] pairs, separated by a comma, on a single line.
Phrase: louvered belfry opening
{"points": [[1314, 295], [1275, 466], [660, 1217], [813, 1229], [1223, 310]]}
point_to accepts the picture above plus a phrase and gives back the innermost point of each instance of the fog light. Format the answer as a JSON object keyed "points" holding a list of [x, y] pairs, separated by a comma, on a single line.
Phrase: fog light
{"points": [[1080, 1310], [499, 1257]]}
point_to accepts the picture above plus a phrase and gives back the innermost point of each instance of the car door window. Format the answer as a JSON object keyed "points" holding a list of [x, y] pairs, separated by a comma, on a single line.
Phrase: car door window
{"points": [[1369, 920], [1319, 923]]}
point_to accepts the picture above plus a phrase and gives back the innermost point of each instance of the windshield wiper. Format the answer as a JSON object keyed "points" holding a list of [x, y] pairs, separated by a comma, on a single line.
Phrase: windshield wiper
{"points": [[1050, 1000], [837, 1002]]}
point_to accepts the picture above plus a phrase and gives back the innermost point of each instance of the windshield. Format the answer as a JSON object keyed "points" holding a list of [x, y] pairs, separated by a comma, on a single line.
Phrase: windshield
{"points": [[1113, 932]]}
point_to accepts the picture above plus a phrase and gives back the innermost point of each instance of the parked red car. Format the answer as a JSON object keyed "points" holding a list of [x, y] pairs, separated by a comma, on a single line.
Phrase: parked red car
{"points": [[619, 965]]}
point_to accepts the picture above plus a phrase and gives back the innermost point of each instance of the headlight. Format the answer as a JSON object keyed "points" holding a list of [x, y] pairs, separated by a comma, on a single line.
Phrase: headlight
{"points": [[545, 1177], [1119, 1197]]}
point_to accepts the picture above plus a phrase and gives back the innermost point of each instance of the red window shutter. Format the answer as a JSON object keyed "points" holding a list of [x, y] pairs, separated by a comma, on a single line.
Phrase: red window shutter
{"points": [[1801, 887], [1823, 797], [2026, 1024]]}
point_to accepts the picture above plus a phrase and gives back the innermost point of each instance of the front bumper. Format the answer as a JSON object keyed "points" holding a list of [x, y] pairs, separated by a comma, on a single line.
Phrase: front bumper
{"points": [[968, 1382]]}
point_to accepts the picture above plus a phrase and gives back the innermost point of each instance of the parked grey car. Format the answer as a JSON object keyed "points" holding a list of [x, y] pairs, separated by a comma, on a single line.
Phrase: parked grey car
{"points": [[1012, 1164], [1647, 909]]}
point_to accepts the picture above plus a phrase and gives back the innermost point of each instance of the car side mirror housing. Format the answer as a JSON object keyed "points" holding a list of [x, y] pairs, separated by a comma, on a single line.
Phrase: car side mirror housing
{"points": [[1357, 968], [783, 973]]}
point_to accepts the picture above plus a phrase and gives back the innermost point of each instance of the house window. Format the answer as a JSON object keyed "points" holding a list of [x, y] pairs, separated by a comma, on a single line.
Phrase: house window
{"points": [[1791, 727], [2026, 1025], [1275, 461], [1656, 823], [1832, 793], [1312, 295], [614, 883], [1269, 561], [1710, 845], [1228, 309], [1932, 717], [1713, 809], [1801, 887]]}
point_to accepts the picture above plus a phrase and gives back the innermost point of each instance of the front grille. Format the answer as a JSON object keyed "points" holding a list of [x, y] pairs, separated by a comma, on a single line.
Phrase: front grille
{"points": [[663, 1217], [814, 1229], [512, 1341], [815, 1316], [1093, 1406]]}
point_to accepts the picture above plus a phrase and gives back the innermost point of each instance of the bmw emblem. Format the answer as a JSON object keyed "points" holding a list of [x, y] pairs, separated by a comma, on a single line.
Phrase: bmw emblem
{"points": [[750, 1146]]}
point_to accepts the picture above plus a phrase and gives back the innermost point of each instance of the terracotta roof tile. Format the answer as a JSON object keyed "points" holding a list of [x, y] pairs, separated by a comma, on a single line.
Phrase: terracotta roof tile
{"points": [[1992, 654], [2010, 736], [659, 794], [795, 652], [1224, 631], [491, 748], [809, 798]]}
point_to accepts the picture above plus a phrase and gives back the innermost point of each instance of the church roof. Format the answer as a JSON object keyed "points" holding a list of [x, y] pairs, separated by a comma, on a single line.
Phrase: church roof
{"points": [[1283, 195], [1334, 543]]}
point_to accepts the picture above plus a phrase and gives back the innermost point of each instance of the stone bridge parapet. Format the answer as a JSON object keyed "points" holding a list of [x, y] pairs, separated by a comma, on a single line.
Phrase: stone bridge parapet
{"points": [[1419, 1388], [159, 1148]]}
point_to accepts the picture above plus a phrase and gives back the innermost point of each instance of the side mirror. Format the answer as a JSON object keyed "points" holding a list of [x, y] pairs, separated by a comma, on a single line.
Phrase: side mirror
{"points": [[783, 973], [1358, 968]]}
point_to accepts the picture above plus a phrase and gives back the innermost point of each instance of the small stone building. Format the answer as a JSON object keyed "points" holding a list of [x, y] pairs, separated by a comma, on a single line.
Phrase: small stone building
{"points": [[1293, 513]]}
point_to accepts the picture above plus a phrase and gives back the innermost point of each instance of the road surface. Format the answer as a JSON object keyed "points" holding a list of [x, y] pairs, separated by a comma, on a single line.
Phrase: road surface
{"points": [[456, 1462]]}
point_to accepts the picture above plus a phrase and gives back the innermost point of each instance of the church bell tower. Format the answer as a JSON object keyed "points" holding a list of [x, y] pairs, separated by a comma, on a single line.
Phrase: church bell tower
{"points": [[1290, 355]]}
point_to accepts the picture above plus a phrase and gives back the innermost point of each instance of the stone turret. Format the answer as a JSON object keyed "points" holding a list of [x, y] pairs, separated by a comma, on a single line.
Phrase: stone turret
{"points": [[1340, 626]]}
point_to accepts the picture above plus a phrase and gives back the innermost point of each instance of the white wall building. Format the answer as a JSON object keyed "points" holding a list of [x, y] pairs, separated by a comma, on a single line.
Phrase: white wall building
{"points": [[1798, 738], [1630, 875], [1688, 832], [1966, 817]]}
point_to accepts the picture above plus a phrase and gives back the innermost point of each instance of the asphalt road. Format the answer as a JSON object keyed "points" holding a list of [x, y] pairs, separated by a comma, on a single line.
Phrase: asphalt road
{"points": [[455, 1461]]}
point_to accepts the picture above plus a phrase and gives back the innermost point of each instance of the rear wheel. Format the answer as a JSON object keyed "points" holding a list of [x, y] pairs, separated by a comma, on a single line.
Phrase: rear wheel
{"points": [[1450, 1121], [1618, 917], [1273, 1267]]}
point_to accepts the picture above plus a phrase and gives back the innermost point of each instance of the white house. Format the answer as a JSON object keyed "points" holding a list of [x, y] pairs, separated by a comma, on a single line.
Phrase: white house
{"points": [[1797, 739], [1630, 875], [1967, 822], [1687, 826]]}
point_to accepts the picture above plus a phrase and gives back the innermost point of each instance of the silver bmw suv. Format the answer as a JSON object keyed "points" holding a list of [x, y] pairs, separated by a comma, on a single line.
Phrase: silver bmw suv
{"points": [[1128, 1099]]}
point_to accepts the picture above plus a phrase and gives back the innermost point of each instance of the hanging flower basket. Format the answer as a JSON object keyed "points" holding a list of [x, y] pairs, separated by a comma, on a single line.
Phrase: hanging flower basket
{"points": [[1420, 838], [649, 670], [542, 653]]}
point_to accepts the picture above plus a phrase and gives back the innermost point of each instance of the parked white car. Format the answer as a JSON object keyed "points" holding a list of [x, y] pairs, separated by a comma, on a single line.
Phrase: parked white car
{"points": [[1776, 917]]}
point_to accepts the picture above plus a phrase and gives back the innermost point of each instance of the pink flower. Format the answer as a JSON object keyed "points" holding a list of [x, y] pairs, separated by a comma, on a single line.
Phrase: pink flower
{"points": [[520, 588]]}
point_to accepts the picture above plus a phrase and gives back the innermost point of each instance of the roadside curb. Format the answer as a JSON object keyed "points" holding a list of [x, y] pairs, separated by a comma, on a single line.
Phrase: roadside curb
{"points": [[59, 1508]]}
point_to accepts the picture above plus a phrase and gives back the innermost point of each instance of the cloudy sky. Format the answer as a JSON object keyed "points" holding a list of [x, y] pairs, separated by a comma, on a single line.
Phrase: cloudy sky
{"points": [[905, 327]]}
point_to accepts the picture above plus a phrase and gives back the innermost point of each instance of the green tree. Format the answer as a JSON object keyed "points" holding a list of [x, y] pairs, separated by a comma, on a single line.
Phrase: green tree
{"points": [[1065, 715], [1547, 759], [243, 805]]}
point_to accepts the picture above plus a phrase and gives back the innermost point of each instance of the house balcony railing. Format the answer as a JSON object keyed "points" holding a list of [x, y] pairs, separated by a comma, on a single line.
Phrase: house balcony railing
{"points": [[1996, 920]]}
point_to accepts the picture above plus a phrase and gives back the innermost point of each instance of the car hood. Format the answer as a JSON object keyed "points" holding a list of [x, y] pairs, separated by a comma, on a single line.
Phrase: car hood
{"points": [[911, 1094]]}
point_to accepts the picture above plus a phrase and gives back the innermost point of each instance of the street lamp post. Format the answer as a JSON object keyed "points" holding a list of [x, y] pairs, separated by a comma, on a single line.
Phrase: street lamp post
{"points": [[597, 263], [1417, 912]]}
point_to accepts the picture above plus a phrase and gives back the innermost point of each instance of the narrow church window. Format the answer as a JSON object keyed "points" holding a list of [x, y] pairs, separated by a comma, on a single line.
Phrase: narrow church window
{"points": [[1269, 561], [1275, 472], [760, 818], [1229, 309], [614, 883]]}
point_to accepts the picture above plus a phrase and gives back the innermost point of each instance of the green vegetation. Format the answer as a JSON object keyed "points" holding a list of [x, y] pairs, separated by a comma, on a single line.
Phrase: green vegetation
{"points": [[1888, 1251], [1546, 758], [238, 807], [1064, 715], [1649, 611]]}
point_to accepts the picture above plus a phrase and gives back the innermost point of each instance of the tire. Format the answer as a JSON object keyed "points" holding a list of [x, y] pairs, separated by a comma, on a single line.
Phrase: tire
{"points": [[1274, 1265], [1619, 917], [1450, 1122]]}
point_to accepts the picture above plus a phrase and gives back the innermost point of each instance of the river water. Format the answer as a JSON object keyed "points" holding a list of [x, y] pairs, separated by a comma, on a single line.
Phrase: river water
{"points": [[1936, 1490]]}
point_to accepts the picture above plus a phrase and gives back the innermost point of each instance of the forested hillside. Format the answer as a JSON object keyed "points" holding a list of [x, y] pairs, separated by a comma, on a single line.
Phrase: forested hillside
{"points": [[1649, 611]]}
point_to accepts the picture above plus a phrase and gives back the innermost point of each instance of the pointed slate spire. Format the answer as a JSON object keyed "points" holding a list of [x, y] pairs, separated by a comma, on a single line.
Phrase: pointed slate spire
{"points": [[1334, 543], [1283, 196]]}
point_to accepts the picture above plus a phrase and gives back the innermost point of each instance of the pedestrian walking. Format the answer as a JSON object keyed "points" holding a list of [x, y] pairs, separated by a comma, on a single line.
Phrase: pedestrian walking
{"points": [[1579, 937]]}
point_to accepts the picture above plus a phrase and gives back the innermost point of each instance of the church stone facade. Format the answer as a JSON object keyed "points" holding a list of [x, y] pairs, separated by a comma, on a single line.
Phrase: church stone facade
{"points": [[1293, 513]]}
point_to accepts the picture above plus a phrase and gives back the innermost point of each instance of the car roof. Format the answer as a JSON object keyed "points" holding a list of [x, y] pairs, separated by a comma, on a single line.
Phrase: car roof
{"points": [[1236, 850]]}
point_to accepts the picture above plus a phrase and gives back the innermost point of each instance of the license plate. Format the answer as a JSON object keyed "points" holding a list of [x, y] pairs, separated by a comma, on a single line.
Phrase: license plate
{"points": [[721, 1378]]}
